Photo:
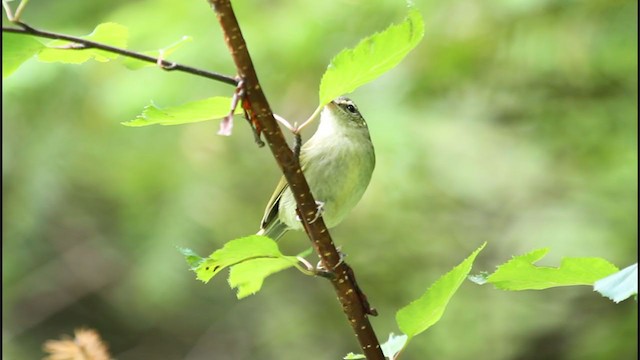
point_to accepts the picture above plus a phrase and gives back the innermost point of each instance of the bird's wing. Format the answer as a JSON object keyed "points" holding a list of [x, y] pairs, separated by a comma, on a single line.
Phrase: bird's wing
{"points": [[271, 211], [273, 206]]}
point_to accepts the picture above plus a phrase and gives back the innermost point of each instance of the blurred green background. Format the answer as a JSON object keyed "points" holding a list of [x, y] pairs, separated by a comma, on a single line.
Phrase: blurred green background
{"points": [[513, 122]]}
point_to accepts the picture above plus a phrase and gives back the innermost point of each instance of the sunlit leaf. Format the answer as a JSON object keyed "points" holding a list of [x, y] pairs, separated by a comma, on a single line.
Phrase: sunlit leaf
{"points": [[371, 58], [65, 51], [17, 49], [619, 286], [135, 64], [250, 259], [248, 276], [520, 273], [424, 312], [235, 252], [195, 111]]}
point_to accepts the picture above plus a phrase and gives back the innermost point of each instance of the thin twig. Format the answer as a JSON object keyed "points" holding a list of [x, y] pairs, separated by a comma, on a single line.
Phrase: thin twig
{"points": [[19, 10], [344, 284], [163, 64], [7, 9], [309, 120]]}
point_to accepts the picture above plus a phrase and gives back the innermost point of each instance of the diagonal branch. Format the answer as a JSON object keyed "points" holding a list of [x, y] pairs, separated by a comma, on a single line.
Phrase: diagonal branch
{"points": [[352, 299], [88, 44]]}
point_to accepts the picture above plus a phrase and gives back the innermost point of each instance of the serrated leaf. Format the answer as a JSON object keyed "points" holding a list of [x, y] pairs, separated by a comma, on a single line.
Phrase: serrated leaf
{"points": [[520, 273], [372, 57], [17, 49], [135, 64], [248, 276], [201, 110], [235, 252], [250, 259], [107, 33], [619, 286], [394, 345], [424, 312]]}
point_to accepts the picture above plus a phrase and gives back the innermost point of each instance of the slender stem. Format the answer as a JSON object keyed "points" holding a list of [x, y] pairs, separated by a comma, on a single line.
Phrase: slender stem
{"points": [[88, 44], [351, 298], [19, 10], [309, 120], [7, 9]]}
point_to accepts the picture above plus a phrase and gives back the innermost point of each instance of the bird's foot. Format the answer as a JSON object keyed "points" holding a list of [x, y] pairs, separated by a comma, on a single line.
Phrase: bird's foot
{"points": [[320, 269], [318, 213]]}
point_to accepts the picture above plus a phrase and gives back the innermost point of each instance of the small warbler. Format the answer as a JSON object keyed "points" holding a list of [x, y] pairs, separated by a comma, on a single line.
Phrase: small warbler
{"points": [[337, 161]]}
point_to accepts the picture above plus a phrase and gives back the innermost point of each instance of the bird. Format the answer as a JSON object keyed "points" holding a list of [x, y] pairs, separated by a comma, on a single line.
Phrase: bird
{"points": [[337, 161]]}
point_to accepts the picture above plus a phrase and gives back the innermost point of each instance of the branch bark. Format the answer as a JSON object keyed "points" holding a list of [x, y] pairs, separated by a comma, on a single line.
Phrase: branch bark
{"points": [[353, 301]]}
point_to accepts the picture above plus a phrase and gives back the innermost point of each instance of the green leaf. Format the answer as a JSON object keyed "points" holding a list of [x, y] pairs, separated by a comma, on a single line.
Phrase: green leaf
{"points": [[372, 57], [65, 51], [250, 259], [235, 252], [135, 64], [519, 273], [248, 276], [195, 111], [619, 286], [424, 312], [17, 49]]}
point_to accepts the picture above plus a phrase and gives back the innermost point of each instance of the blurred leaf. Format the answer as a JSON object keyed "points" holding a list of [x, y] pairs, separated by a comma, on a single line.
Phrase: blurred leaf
{"points": [[135, 64], [195, 111], [17, 49], [620, 285], [192, 258], [107, 33], [372, 57], [424, 312], [519, 273]]}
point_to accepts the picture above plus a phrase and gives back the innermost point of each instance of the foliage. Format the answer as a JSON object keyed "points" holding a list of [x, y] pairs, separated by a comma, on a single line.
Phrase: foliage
{"points": [[428, 309], [514, 124], [17, 49], [520, 273], [372, 57], [195, 111], [250, 259]]}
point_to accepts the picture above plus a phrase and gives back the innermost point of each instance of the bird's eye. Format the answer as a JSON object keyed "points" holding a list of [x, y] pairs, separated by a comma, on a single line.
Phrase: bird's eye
{"points": [[351, 108]]}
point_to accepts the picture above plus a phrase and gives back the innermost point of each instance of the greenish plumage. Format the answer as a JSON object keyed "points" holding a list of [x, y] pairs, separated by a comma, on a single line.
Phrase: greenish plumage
{"points": [[337, 161]]}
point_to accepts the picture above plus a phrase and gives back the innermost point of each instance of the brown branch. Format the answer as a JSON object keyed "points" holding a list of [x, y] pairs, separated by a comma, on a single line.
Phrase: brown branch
{"points": [[352, 299], [88, 44]]}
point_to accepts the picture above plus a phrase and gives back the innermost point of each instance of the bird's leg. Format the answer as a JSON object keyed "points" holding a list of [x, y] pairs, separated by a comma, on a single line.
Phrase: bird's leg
{"points": [[319, 212]]}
